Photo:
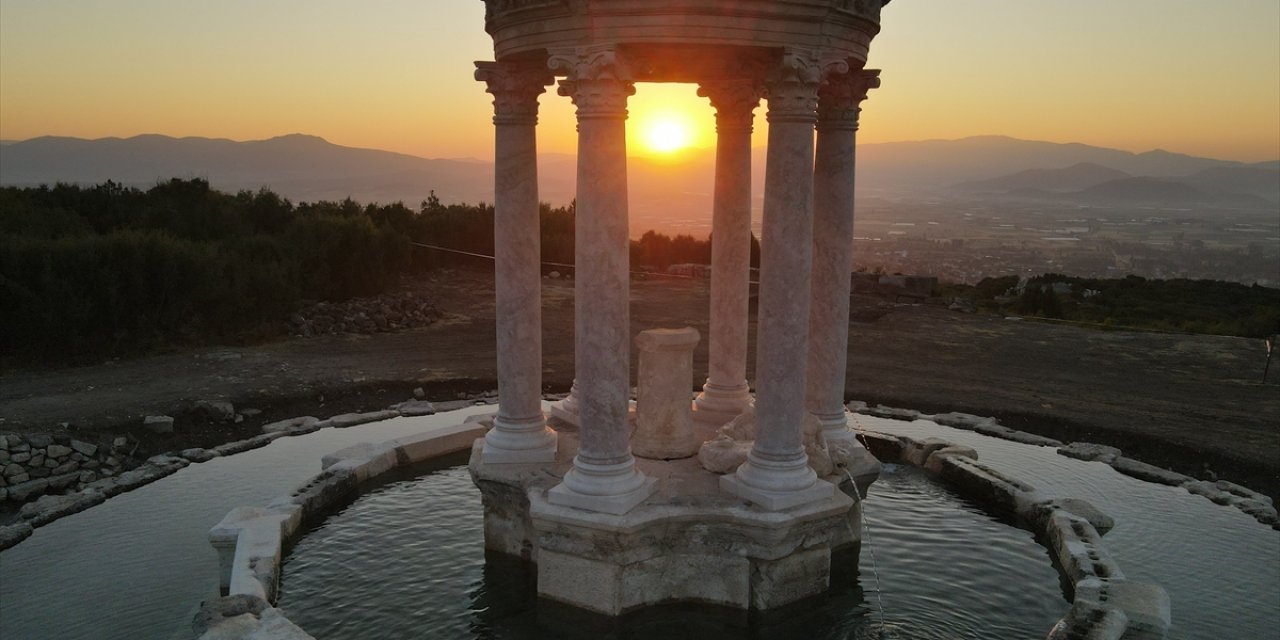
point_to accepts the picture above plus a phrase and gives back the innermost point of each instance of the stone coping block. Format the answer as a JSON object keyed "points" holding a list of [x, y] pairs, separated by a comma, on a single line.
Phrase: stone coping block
{"points": [[250, 540], [1105, 606]]}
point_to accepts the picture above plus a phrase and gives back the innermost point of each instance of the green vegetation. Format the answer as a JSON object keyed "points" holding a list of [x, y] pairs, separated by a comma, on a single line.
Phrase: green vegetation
{"points": [[87, 272], [1180, 305]]}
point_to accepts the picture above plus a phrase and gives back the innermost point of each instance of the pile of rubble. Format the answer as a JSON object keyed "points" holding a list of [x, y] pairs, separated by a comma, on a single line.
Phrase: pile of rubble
{"points": [[378, 314]]}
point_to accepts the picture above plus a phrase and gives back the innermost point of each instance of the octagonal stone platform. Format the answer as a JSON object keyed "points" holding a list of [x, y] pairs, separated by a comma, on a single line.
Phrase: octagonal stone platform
{"points": [[688, 542]]}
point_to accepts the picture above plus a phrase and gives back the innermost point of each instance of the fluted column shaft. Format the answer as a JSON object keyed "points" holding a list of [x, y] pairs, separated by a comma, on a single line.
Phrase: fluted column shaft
{"points": [[603, 477], [520, 433], [725, 393], [833, 208]]}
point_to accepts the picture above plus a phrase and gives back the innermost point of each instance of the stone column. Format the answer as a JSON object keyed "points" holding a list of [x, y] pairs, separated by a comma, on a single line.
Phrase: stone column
{"points": [[603, 477], [520, 433], [833, 186], [664, 420], [776, 474], [725, 393]]}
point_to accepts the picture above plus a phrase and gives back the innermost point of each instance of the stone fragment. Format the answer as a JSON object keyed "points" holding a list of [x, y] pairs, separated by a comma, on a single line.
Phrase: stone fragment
{"points": [[18, 479], [84, 448], [723, 454], [1039, 513], [4, 458], [38, 472], [66, 467], [20, 457], [217, 409], [13, 469], [197, 454], [39, 440], [346, 420], [158, 424], [36, 461], [4, 442], [416, 408], [289, 424], [933, 462], [50, 508], [1145, 605], [19, 447], [121, 442], [250, 413], [13, 534], [1090, 451], [26, 489], [1148, 472], [58, 451], [215, 610]]}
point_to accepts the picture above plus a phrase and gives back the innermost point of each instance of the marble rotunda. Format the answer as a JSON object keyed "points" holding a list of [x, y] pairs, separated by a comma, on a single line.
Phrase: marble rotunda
{"points": [[607, 530]]}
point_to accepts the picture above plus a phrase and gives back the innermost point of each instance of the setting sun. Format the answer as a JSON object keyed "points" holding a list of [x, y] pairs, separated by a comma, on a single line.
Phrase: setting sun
{"points": [[666, 134]]}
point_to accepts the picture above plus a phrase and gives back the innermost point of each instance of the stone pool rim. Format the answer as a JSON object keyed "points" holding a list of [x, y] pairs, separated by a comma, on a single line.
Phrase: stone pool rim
{"points": [[1104, 605]]}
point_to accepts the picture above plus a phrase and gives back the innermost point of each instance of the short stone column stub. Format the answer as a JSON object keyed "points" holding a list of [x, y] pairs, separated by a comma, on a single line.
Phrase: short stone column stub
{"points": [[776, 474], [839, 101], [520, 433], [726, 393], [664, 415], [603, 477]]}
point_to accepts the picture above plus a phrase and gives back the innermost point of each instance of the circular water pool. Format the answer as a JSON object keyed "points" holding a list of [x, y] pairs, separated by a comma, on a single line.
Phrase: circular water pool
{"points": [[407, 560]]}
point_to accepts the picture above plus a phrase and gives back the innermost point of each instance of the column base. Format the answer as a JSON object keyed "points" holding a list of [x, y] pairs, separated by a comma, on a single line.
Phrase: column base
{"points": [[611, 504], [776, 500], [519, 442], [718, 404], [566, 411], [607, 488], [776, 484], [835, 428]]}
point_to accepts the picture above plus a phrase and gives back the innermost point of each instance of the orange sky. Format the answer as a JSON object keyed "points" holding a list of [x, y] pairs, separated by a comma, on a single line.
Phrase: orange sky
{"points": [[1193, 77]]}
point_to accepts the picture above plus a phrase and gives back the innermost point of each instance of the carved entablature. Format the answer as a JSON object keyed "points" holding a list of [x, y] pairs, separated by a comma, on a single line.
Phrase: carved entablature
{"points": [[515, 88], [528, 29], [840, 98]]}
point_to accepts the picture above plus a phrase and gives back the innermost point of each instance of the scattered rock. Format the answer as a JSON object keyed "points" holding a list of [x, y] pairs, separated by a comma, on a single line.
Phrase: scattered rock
{"points": [[158, 424], [1090, 451], [197, 455], [13, 534], [217, 409], [84, 448], [1149, 472], [58, 451], [415, 408], [419, 394], [50, 508], [289, 424], [352, 419]]}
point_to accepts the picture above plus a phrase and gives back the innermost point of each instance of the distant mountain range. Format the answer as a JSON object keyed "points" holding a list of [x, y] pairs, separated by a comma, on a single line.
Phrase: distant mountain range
{"points": [[308, 168]]}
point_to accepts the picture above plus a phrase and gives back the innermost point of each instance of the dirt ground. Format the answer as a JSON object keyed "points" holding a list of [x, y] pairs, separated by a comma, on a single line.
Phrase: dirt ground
{"points": [[1180, 401]]}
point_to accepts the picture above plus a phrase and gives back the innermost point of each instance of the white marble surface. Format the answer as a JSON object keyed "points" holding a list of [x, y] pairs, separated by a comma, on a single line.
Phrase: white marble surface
{"points": [[664, 415]]}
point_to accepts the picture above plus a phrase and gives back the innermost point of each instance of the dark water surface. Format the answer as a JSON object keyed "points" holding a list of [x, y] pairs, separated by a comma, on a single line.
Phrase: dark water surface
{"points": [[137, 566], [406, 561]]}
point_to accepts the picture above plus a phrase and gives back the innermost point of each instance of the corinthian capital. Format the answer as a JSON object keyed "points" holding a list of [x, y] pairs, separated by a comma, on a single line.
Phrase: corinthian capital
{"points": [[599, 80], [840, 98], [792, 85], [734, 102], [515, 88]]}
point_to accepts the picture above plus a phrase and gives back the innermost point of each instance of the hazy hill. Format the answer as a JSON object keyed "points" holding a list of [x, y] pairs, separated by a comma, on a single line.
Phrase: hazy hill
{"points": [[1254, 180], [1073, 178], [298, 166], [673, 194], [933, 163]]}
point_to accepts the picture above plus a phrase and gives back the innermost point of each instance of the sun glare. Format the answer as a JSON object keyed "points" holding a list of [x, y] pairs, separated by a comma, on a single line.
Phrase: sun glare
{"points": [[667, 134]]}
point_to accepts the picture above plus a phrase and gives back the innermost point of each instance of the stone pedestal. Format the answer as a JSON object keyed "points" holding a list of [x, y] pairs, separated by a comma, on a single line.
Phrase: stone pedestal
{"points": [[664, 420]]}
